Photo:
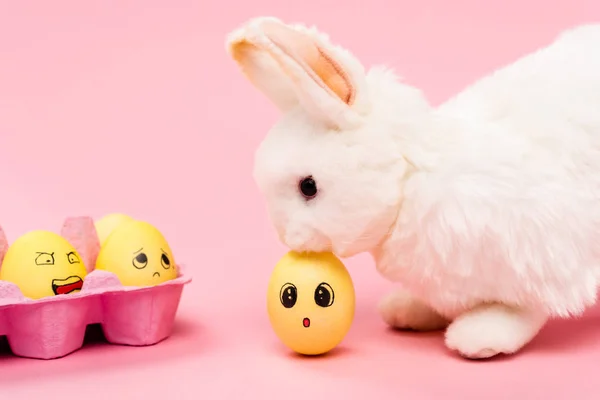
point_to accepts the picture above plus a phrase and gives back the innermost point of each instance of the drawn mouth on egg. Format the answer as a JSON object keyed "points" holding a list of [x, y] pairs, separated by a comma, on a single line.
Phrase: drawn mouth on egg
{"points": [[68, 285], [157, 274]]}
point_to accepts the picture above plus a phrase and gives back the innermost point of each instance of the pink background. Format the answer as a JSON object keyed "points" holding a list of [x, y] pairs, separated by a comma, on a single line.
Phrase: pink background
{"points": [[134, 106]]}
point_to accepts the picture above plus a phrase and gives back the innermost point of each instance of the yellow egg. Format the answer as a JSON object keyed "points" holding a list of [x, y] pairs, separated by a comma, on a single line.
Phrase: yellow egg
{"points": [[43, 264], [138, 254], [310, 302], [105, 225]]}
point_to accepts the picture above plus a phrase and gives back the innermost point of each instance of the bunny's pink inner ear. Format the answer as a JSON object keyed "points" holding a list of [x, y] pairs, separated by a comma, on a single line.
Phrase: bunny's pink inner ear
{"points": [[316, 62], [81, 233], [3, 245], [262, 69]]}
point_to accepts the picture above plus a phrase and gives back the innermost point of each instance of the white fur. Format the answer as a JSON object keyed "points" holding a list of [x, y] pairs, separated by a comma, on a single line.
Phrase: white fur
{"points": [[486, 209], [402, 310]]}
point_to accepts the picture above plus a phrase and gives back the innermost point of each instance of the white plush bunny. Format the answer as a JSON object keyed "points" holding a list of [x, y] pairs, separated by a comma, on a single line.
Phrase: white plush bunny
{"points": [[486, 209]]}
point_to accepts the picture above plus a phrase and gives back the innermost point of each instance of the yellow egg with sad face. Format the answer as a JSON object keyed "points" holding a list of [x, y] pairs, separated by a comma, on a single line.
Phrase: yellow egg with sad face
{"points": [[310, 302], [42, 264], [138, 254]]}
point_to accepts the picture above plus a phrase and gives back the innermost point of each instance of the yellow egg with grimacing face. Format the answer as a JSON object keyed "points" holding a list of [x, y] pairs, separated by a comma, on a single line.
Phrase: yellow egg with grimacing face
{"points": [[43, 264], [310, 301], [138, 254], [108, 223]]}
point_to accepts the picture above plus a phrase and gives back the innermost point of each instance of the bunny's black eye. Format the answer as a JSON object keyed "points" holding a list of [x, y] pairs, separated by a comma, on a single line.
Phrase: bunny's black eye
{"points": [[308, 187]]}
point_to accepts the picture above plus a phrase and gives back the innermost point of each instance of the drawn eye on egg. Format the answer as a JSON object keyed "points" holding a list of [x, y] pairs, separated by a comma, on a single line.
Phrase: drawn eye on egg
{"points": [[140, 259]]}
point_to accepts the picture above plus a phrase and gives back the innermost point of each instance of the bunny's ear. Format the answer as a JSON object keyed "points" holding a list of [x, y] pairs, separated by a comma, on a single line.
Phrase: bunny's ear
{"points": [[294, 66]]}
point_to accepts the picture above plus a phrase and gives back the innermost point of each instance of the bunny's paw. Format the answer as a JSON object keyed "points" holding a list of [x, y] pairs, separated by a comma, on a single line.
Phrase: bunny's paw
{"points": [[401, 310], [492, 329]]}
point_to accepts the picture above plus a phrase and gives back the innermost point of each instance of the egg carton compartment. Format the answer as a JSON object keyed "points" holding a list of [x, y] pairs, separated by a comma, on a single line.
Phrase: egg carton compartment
{"points": [[53, 327]]}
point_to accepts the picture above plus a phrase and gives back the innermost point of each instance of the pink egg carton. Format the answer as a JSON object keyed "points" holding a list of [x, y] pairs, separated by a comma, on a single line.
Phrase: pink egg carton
{"points": [[54, 327]]}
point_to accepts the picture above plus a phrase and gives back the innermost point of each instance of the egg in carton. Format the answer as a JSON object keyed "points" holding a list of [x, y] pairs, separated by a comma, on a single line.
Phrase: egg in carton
{"points": [[53, 325]]}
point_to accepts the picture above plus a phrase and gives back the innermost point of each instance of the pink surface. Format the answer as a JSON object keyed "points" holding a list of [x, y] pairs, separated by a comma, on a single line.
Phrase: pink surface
{"points": [[53, 327], [134, 107]]}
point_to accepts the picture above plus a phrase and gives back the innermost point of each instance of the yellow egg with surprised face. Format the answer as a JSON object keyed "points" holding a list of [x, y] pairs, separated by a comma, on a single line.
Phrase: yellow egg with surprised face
{"points": [[138, 254], [310, 302], [42, 264]]}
